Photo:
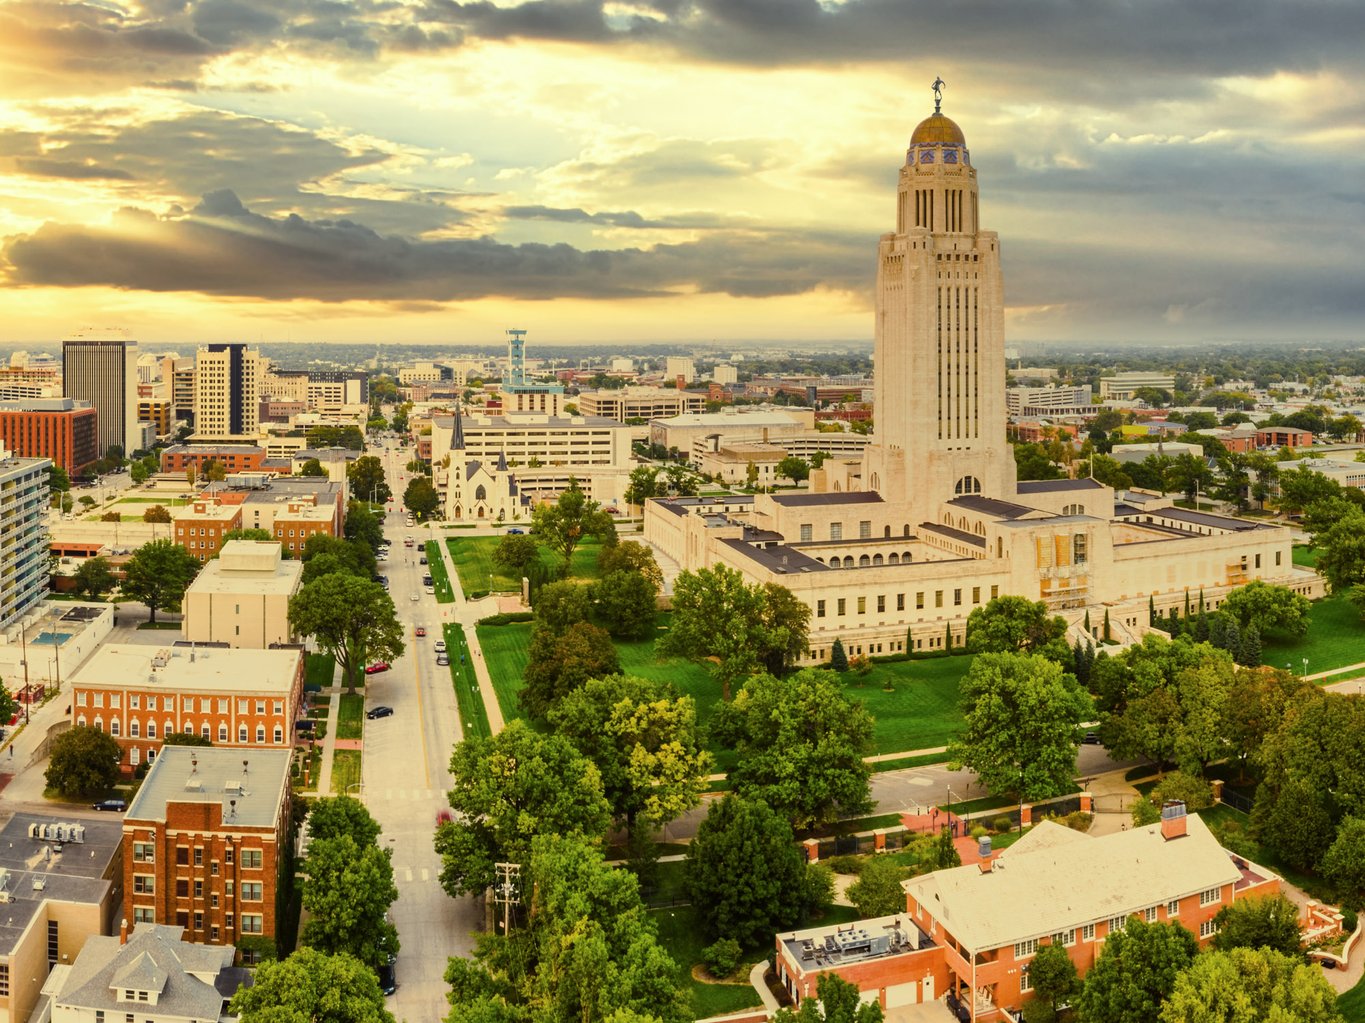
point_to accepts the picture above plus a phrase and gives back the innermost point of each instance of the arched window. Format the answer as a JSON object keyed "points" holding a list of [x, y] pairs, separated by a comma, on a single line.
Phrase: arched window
{"points": [[260, 733], [864, 561], [967, 485], [893, 558], [876, 559], [480, 493], [80, 721], [905, 557], [907, 530]]}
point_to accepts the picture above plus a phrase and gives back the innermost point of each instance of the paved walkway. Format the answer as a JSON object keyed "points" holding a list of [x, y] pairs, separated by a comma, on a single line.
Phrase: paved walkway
{"points": [[329, 742], [467, 613], [770, 1002]]}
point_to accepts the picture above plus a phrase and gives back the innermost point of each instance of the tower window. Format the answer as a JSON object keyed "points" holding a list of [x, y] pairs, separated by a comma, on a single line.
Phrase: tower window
{"points": [[967, 485]]}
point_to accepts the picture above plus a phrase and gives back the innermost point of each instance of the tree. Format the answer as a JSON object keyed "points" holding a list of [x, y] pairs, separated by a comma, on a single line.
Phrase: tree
{"points": [[215, 471], [644, 484], [1021, 712], [262, 535], [1302, 486], [310, 986], [643, 737], [94, 578], [84, 762], [586, 951], [630, 556], [744, 872], [185, 739], [562, 604], [366, 477], [559, 664], [793, 468], [156, 513], [1135, 972], [1245, 985], [1341, 552], [1269, 921], [323, 555], [800, 743], [878, 892], [562, 526], [1256, 706], [627, 604], [1016, 625], [837, 1001], [337, 816], [311, 467], [421, 498], [761, 624], [838, 658], [1053, 976], [111, 516], [364, 526], [509, 788], [1343, 865], [347, 895], [937, 852], [1271, 609], [57, 479], [514, 553], [352, 620], [157, 575]]}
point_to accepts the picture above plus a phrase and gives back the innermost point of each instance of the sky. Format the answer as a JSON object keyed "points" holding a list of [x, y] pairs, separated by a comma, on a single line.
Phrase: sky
{"points": [[659, 170]]}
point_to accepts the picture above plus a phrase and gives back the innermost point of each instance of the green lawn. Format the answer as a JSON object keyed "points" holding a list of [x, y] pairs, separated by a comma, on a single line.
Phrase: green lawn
{"points": [[1336, 638], [473, 714], [1305, 556], [351, 716], [920, 712], [1351, 1005], [473, 557], [318, 670], [682, 936], [345, 771], [436, 568]]}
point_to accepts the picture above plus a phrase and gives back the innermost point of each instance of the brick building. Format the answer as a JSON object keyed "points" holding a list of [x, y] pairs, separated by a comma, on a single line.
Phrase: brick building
{"points": [[199, 526], [232, 457], [1283, 437], [299, 520], [160, 412], [62, 429], [202, 844], [974, 930], [235, 698]]}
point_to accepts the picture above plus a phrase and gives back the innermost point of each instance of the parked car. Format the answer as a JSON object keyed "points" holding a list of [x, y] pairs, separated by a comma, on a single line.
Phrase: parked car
{"points": [[376, 667], [440, 646], [111, 805], [442, 659], [407, 541], [414, 595], [388, 976], [515, 532], [422, 560], [421, 630], [381, 711], [1091, 738]]}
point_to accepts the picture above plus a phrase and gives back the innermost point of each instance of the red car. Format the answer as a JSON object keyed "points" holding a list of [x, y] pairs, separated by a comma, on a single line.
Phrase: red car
{"points": [[419, 631], [376, 668]]}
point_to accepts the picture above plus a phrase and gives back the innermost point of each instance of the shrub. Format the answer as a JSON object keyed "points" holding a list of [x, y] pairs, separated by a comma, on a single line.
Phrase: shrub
{"points": [[1349, 921], [722, 957], [980, 831], [1002, 824], [845, 864], [1078, 820], [508, 618]]}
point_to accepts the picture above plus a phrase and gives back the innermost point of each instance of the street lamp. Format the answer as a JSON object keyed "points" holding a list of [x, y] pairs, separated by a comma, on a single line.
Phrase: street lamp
{"points": [[1305, 667]]}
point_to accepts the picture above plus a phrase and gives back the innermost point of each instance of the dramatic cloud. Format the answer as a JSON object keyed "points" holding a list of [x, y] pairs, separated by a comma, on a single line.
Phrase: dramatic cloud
{"points": [[222, 248]]}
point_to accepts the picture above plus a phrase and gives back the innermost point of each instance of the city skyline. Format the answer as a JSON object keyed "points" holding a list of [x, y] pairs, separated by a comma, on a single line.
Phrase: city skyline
{"points": [[667, 171]]}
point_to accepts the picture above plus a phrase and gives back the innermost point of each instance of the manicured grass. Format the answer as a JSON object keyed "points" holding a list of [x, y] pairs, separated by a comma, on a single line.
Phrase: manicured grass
{"points": [[345, 770], [164, 626], [473, 714], [681, 934], [1351, 1005], [1305, 556], [473, 557], [920, 712], [318, 669], [351, 716], [436, 568], [900, 763], [1336, 638]]}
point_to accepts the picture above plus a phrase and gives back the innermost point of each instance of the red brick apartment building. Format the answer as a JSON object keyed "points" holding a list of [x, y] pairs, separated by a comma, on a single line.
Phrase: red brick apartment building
{"points": [[236, 698], [61, 429], [232, 457], [976, 928], [202, 843], [200, 525]]}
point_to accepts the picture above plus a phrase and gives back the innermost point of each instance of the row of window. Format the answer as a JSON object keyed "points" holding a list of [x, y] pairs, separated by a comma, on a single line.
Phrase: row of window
{"points": [[134, 729], [841, 603], [145, 884], [145, 852], [1029, 947], [206, 703]]}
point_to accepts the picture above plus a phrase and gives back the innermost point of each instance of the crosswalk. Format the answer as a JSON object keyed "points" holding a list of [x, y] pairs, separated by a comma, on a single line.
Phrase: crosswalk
{"points": [[406, 795], [407, 875]]}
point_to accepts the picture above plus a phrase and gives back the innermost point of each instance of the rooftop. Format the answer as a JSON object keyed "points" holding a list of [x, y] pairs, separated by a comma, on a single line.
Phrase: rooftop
{"points": [[779, 558], [991, 506], [33, 871], [805, 500], [176, 669], [821, 948], [1057, 486], [248, 784], [251, 564], [734, 418], [1033, 891]]}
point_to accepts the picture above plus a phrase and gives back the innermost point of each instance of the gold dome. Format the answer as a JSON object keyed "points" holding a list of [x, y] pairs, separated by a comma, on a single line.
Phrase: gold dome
{"points": [[937, 129]]}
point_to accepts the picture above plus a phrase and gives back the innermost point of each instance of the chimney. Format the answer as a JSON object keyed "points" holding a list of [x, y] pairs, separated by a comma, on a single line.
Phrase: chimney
{"points": [[680, 381], [1172, 819], [123, 932]]}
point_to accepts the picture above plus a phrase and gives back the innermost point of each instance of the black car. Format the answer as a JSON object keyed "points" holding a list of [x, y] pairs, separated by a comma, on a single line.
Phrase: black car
{"points": [[388, 976], [1091, 738], [112, 805], [381, 711], [422, 560]]}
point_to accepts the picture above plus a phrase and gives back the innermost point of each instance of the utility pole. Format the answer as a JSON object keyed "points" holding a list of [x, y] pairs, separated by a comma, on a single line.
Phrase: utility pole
{"points": [[505, 891]]}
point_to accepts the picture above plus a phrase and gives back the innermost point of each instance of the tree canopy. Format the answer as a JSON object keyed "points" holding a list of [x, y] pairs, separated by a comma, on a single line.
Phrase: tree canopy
{"points": [[1017, 625], [1268, 921], [158, 574], [508, 788], [837, 1001], [347, 895], [558, 664], [84, 762], [800, 743], [1243, 985], [765, 625], [1271, 609], [563, 525], [1021, 713], [94, 577], [352, 620], [421, 498], [1135, 972], [311, 986]]}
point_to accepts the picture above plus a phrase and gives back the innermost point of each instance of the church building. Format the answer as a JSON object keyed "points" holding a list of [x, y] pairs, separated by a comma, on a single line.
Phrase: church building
{"points": [[892, 551]]}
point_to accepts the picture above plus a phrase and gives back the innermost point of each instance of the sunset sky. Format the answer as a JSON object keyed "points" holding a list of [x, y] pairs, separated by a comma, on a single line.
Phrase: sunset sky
{"points": [[431, 170]]}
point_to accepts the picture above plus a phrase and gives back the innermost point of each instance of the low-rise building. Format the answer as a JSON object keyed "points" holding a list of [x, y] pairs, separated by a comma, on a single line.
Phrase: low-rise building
{"points": [[61, 880], [241, 598], [262, 498], [1283, 437], [973, 931], [232, 457], [203, 840], [1121, 386], [642, 403], [152, 975], [244, 698], [199, 526], [736, 425], [62, 429], [1028, 402]]}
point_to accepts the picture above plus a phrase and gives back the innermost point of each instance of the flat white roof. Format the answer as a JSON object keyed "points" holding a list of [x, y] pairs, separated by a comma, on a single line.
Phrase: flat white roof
{"points": [[1055, 882], [250, 796], [189, 669], [224, 576]]}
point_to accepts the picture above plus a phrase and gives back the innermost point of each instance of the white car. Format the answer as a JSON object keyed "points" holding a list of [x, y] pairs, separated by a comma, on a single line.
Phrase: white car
{"points": [[414, 595], [440, 646]]}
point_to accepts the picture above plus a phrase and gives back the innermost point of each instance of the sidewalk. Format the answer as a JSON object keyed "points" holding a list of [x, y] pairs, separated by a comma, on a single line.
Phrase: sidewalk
{"points": [[20, 765], [329, 742], [468, 613]]}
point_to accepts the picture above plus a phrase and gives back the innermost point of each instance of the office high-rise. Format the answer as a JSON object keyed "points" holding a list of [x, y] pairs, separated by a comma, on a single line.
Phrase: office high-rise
{"points": [[228, 383], [100, 367]]}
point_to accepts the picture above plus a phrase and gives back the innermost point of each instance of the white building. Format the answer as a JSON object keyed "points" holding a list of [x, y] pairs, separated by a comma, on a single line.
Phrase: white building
{"points": [[1120, 386], [24, 564], [678, 366], [241, 598], [640, 402], [229, 381], [723, 374], [1030, 402]]}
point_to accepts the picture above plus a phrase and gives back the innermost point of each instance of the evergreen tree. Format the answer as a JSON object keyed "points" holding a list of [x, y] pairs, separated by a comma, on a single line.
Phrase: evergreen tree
{"points": [[1187, 603], [1087, 622], [948, 638], [1107, 636], [1201, 626], [909, 641], [1082, 668], [1251, 648], [1218, 630], [838, 660], [1233, 640], [1174, 627], [1201, 600], [1151, 611]]}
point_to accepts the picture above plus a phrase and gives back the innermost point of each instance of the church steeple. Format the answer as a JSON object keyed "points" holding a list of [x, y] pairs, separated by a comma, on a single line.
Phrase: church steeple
{"points": [[457, 442]]}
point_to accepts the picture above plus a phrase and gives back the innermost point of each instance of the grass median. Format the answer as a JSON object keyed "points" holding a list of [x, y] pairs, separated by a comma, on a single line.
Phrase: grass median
{"points": [[436, 568], [473, 714]]}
